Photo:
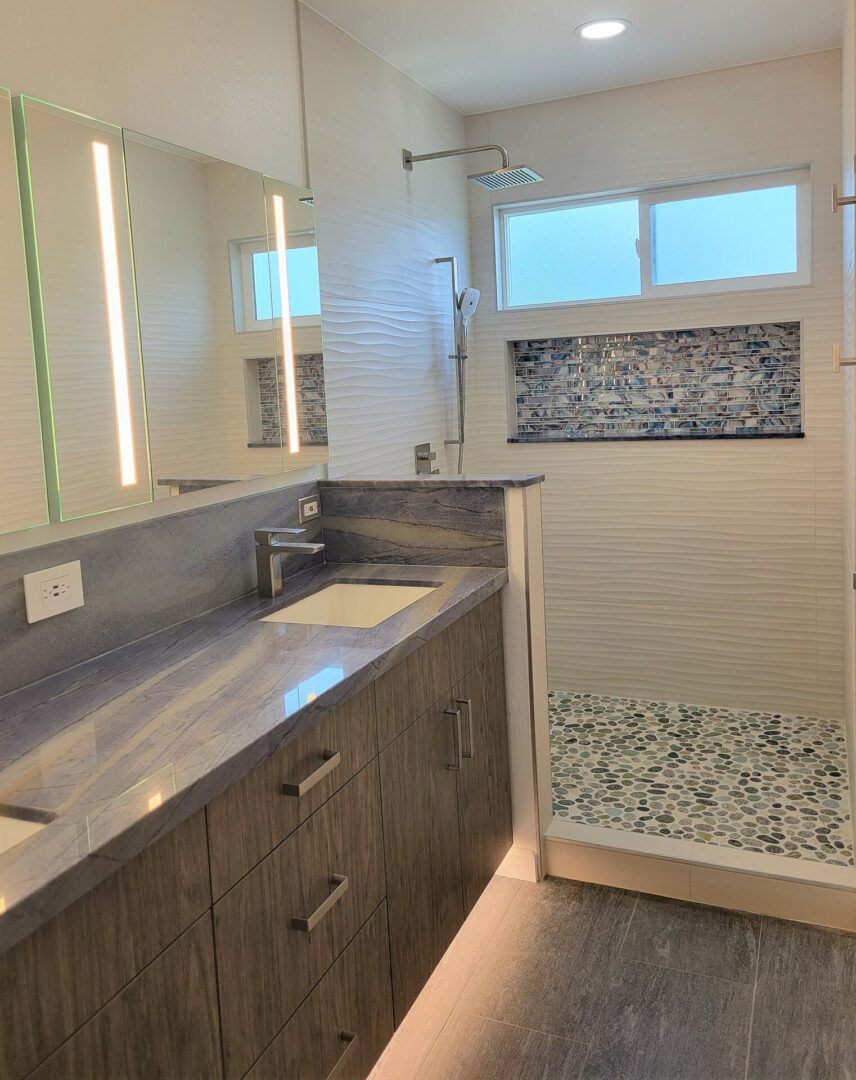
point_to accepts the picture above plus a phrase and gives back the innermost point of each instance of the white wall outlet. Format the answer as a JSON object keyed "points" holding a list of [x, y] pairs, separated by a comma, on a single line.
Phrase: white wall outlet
{"points": [[52, 591], [308, 508]]}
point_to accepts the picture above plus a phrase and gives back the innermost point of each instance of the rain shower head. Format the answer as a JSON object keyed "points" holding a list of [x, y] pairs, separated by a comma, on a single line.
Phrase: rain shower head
{"points": [[505, 176], [511, 176]]}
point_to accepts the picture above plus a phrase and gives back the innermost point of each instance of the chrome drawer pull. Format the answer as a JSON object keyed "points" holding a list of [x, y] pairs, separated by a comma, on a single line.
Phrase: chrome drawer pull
{"points": [[468, 702], [350, 1037], [456, 731], [306, 925], [332, 760]]}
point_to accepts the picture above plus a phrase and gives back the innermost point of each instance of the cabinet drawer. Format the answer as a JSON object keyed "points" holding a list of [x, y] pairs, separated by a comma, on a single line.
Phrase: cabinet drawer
{"points": [[346, 1021], [411, 688], [61, 975], [473, 637], [267, 961], [246, 822], [162, 1025]]}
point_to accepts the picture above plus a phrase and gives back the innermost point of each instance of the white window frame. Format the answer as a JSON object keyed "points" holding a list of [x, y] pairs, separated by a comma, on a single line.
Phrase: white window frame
{"points": [[244, 305], [800, 176]]}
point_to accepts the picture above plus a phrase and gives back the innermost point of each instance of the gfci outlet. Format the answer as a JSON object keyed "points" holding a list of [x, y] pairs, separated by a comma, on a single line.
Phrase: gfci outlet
{"points": [[52, 591], [308, 508]]}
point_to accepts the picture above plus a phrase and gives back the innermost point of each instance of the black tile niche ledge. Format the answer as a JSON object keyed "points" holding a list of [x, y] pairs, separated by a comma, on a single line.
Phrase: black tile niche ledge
{"points": [[576, 439]]}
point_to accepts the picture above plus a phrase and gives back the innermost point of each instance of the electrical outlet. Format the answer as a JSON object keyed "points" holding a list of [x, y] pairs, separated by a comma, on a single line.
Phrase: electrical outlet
{"points": [[53, 591], [308, 508]]}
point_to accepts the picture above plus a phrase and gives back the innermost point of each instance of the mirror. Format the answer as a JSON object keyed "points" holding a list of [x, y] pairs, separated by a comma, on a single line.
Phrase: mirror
{"points": [[182, 322], [210, 304], [22, 477], [85, 279]]}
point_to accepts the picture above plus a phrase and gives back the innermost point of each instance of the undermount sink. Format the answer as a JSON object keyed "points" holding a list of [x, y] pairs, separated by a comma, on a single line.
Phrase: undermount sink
{"points": [[346, 604], [18, 823]]}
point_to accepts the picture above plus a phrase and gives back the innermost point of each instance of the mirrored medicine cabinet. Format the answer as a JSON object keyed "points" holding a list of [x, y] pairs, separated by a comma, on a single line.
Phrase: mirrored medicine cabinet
{"points": [[175, 341]]}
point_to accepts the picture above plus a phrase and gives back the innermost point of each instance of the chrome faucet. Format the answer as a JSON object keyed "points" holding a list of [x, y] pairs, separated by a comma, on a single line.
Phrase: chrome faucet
{"points": [[268, 552]]}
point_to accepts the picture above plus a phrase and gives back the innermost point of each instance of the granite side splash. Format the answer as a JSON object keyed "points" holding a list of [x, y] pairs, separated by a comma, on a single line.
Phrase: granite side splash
{"points": [[433, 526], [140, 578]]}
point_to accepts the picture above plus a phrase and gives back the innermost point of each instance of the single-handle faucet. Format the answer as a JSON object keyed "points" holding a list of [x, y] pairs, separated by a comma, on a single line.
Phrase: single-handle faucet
{"points": [[268, 552]]}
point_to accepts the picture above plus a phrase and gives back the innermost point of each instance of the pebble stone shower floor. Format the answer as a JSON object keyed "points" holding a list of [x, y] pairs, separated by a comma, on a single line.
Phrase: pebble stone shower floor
{"points": [[756, 781]]}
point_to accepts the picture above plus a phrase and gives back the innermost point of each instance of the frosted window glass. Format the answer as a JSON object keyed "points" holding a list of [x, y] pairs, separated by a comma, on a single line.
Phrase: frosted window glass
{"points": [[304, 295], [573, 253], [744, 234]]}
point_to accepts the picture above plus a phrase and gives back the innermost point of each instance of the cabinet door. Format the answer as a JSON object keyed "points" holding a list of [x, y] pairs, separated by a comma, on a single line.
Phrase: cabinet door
{"points": [[422, 850], [484, 783]]}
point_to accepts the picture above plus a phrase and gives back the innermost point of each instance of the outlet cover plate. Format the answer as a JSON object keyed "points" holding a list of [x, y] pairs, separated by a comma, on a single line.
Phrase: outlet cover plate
{"points": [[309, 508], [52, 591]]}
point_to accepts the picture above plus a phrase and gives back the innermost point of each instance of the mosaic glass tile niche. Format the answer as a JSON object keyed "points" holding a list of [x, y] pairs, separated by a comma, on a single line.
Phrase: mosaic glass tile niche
{"points": [[714, 382], [311, 402], [755, 781]]}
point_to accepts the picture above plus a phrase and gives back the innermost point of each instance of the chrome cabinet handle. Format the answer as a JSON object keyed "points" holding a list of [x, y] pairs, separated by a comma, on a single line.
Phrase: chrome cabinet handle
{"points": [[350, 1037], [468, 704], [308, 924], [456, 732], [332, 760]]}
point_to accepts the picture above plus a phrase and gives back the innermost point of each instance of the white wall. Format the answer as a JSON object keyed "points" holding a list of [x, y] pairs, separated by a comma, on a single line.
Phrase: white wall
{"points": [[387, 322], [705, 572], [218, 77]]}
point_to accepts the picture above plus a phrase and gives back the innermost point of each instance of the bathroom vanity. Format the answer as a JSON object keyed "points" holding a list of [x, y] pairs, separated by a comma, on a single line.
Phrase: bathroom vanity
{"points": [[271, 833]]}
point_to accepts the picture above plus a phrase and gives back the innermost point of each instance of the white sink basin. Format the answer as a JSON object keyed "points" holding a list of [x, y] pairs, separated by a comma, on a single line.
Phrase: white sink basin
{"points": [[350, 605]]}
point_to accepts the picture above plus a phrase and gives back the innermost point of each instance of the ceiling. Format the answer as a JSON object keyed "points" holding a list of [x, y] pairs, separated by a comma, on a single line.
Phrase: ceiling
{"points": [[480, 55]]}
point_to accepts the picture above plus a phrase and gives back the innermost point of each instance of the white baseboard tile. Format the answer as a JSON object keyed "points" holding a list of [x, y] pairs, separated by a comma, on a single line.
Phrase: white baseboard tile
{"points": [[521, 864], [802, 890]]}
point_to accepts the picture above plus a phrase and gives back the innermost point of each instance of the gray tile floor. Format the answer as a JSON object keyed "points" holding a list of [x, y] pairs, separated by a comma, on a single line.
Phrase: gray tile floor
{"points": [[582, 982]]}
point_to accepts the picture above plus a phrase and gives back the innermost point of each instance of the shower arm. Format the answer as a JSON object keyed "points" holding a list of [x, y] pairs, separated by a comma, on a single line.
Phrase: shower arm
{"points": [[408, 158]]}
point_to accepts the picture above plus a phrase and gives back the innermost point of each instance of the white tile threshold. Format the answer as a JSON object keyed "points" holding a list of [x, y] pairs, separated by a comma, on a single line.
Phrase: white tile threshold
{"points": [[800, 889]]}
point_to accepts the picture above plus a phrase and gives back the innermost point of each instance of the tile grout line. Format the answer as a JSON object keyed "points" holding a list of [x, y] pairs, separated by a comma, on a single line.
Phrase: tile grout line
{"points": [[752, 1006], [456, 1007], [600, 1012]]}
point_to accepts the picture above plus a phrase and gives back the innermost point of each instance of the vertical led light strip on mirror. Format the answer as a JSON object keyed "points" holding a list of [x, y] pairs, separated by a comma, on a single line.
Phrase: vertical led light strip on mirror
{"points": [[287, 340], [115, 319]]}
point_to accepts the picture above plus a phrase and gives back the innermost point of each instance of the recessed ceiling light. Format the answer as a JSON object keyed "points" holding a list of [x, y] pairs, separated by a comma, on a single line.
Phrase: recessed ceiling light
{"points": [[598, 29]]}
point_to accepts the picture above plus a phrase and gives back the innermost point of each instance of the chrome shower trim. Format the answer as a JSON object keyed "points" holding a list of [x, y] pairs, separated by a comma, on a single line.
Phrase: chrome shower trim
{"points": [[407, 157]]}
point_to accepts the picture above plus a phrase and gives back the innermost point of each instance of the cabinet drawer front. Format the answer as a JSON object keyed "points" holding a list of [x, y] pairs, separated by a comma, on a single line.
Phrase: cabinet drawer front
{"points": [[266, 963], [346, 1021], [411, 688], [163, 1024], [61, 975], [246, 822], [473, 637]]}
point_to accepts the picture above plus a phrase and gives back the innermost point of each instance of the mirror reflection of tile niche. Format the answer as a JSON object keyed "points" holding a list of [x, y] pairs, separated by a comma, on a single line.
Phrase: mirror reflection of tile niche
{"points": [[272, 425]]}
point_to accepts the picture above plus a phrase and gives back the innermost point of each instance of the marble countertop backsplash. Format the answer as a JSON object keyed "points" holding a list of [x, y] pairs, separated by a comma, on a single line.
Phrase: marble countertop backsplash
{"points": [[124, 747]]}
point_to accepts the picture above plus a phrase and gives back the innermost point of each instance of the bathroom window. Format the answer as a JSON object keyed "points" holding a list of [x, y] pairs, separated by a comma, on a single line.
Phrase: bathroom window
{"points": [[750, 232], [255, 283]]}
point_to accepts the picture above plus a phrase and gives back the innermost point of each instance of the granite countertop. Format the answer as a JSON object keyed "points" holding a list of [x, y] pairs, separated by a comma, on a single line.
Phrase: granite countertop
{"points": [[124, 747], [506, 480]]}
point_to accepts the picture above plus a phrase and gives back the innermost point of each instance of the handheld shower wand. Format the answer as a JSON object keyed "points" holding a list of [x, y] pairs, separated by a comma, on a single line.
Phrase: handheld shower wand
{"points": [[464, 306]]}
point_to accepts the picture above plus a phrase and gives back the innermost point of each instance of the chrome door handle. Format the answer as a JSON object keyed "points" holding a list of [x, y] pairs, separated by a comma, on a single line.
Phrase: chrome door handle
{"points": [[456, 732], [350, 1037], [468, 702], [309, 923], [332, 760]]}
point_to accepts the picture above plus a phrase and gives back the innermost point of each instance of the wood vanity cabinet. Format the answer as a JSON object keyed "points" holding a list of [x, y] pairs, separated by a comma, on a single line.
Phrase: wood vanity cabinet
{"points": [[446, 808], [336, 890]]}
